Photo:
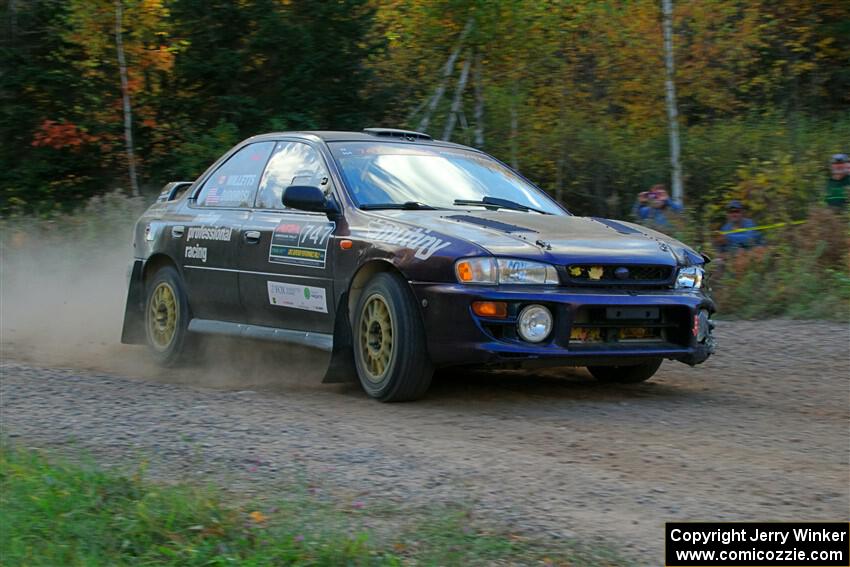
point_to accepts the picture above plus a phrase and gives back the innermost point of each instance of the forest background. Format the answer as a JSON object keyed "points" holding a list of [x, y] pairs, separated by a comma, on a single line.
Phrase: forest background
{"points": [[572, 93]]}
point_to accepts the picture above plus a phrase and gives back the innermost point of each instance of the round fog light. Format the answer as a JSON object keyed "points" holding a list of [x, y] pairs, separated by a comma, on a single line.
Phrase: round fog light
{"points": [[534, 323]]}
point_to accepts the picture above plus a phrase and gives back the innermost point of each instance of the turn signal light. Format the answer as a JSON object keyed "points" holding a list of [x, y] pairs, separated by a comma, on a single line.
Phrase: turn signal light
{"points": [[464, 271], [490, 309]]}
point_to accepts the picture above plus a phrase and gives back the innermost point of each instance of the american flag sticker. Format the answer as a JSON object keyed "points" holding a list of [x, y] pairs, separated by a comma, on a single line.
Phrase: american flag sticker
{"points": [[212, 196]]}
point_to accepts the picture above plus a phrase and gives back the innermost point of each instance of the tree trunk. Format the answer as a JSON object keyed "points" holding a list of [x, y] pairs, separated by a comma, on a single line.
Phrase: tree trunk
{"points": [[672, 111], [415, 111], [479, 103], [447, 72], [457, 100], [125, 95], [514, 127]]}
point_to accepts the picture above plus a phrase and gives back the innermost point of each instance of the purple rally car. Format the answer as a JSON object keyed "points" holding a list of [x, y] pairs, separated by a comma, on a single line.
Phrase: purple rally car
{"points": [[399, 254]]}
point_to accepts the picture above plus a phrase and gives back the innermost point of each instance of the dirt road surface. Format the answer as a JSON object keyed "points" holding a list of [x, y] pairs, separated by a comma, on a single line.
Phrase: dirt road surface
{"points": [[760, 432]]}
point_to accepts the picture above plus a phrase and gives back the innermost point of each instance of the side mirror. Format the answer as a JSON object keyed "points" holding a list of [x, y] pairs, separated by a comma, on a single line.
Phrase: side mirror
{"points": [[308, 198]]}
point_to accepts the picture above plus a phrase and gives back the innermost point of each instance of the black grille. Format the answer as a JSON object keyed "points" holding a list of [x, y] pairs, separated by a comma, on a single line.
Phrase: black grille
{"points": [[594, 327], [618, 274]]}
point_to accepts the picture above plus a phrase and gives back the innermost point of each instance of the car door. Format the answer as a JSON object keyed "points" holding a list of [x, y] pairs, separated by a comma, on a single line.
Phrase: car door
{"points": [[286, 256], [210, 238]]}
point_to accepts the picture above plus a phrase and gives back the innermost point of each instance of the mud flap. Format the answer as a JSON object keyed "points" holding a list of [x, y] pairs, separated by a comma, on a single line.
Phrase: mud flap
{"points": [[133, 332], [341, 367]]}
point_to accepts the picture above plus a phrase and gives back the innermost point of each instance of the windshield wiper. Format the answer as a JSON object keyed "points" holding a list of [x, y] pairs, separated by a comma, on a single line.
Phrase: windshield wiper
{"points": [[407, 206], [497, 203]]}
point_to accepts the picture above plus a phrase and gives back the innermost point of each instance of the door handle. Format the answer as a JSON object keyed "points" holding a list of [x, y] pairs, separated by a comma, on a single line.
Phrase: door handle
{"points": [[177, 231], [251, 236]]}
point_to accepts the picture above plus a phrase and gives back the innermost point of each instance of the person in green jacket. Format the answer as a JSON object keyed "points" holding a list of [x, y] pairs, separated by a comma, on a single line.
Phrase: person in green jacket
{"points": [[838, 184]]}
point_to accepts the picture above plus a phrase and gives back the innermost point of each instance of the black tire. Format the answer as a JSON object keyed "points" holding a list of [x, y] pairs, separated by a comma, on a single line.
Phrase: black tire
{"points": [[403, 372], [631, 374], [167, 348]]}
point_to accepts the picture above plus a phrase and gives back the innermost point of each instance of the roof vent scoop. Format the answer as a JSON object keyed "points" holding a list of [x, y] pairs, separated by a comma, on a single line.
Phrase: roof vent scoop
{"points": [[408, 135]]}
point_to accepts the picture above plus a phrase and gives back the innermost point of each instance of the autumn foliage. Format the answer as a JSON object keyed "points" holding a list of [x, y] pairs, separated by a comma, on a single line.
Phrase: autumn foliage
{"points": [[61, 135], [571, 93]]}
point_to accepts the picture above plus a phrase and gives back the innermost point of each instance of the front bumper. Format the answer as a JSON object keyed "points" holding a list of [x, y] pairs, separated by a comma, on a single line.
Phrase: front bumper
{"points": [[455, 335]]}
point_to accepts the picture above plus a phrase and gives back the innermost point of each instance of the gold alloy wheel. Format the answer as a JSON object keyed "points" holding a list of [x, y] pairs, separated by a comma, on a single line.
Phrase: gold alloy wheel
{"points": [[162, 319], [376, 337]]}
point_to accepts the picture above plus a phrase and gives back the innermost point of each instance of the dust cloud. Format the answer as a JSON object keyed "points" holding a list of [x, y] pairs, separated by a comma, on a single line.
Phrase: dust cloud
{"points": [[63, 287]]}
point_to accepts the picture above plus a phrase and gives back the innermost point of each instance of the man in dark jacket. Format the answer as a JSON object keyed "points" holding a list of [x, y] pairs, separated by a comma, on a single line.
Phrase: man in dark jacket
{"points": [[739, 231], [838, 184]]}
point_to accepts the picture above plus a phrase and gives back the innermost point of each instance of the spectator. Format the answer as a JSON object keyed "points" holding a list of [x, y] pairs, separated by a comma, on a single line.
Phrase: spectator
{"points": [[838, 184], [736, 224], [653, 206]]}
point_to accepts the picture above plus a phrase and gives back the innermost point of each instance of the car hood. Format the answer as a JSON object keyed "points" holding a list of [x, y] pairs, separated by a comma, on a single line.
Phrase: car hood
{"points": [[551, 238]]}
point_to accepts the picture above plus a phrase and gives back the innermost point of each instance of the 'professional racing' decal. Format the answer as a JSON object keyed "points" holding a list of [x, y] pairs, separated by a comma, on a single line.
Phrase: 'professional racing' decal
{"points": [[209, 233], [417, 239], [301, 243], [304, 297], [196, 252]]}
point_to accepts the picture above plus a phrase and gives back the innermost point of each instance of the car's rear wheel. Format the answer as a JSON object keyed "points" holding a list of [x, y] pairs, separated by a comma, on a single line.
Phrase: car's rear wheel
{"points": [[389, 342], [631, 374], [166, 317]]}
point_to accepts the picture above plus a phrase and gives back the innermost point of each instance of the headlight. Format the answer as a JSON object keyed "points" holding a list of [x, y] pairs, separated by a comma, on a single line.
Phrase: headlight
{"points": [[504, 271], [690, 278]]}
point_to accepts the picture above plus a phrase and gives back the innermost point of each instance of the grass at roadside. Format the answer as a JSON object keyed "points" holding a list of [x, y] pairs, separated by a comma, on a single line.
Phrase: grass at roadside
{"points": [[56, 513]]}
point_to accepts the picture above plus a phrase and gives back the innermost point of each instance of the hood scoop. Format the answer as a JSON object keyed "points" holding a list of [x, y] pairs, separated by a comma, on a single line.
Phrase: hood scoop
{"points": [[621, 228], [492, 224]]}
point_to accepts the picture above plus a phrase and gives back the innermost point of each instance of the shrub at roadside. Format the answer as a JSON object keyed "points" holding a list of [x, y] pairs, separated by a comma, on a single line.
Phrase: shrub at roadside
{"points": [[802, 273]]}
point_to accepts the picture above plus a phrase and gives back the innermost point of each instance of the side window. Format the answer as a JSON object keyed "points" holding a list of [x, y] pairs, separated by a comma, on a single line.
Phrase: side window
{"points": [[235, 182], [293, 163]]}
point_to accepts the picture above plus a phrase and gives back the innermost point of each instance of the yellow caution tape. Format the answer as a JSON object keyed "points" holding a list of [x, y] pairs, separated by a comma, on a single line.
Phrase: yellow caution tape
{"points": [[762, 227]]}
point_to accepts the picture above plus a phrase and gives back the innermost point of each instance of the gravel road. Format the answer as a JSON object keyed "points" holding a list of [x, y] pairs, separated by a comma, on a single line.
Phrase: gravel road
{"points": [[760, 432]]}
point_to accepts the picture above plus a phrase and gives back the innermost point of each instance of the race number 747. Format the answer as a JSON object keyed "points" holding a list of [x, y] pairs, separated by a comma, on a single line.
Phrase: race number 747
{"points": [[315, 235]]}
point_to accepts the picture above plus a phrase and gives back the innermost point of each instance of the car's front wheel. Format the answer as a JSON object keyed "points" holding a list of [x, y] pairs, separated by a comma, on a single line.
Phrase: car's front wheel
{"points": [[166, 317], [389, 342], [631, 374]]}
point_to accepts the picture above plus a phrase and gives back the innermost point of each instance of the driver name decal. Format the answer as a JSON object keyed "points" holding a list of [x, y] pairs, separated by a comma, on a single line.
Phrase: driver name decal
{"points": [[301, 243], [418, 239]]}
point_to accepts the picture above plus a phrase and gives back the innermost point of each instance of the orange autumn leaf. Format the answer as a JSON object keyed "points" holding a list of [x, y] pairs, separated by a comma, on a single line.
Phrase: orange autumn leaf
{"points": [[258, 517]]}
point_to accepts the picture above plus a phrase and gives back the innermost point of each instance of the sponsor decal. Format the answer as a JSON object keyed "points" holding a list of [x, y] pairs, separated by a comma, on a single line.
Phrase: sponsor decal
{"points": [[303, 297], [419, 239], [236, 193], [235, 197], [301, 243], [241, 180], [196, 252], [222, 233]]}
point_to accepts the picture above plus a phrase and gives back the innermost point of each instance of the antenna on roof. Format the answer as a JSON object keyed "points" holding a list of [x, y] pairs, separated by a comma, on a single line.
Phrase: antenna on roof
{"points": [[408, 135]]}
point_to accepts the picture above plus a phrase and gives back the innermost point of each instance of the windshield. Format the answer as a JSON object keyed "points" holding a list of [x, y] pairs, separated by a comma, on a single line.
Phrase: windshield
{"points": [[396, 174]]}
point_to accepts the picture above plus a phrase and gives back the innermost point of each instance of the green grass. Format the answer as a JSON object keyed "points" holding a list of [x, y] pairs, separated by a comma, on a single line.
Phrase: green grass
{"points": [[56, 513]]}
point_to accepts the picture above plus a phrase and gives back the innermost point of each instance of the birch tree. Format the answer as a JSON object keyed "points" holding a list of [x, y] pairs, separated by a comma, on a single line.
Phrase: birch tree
{"points": [[672, 111], [448, 68], [125, 95], [456, 101], [479, 102]]}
